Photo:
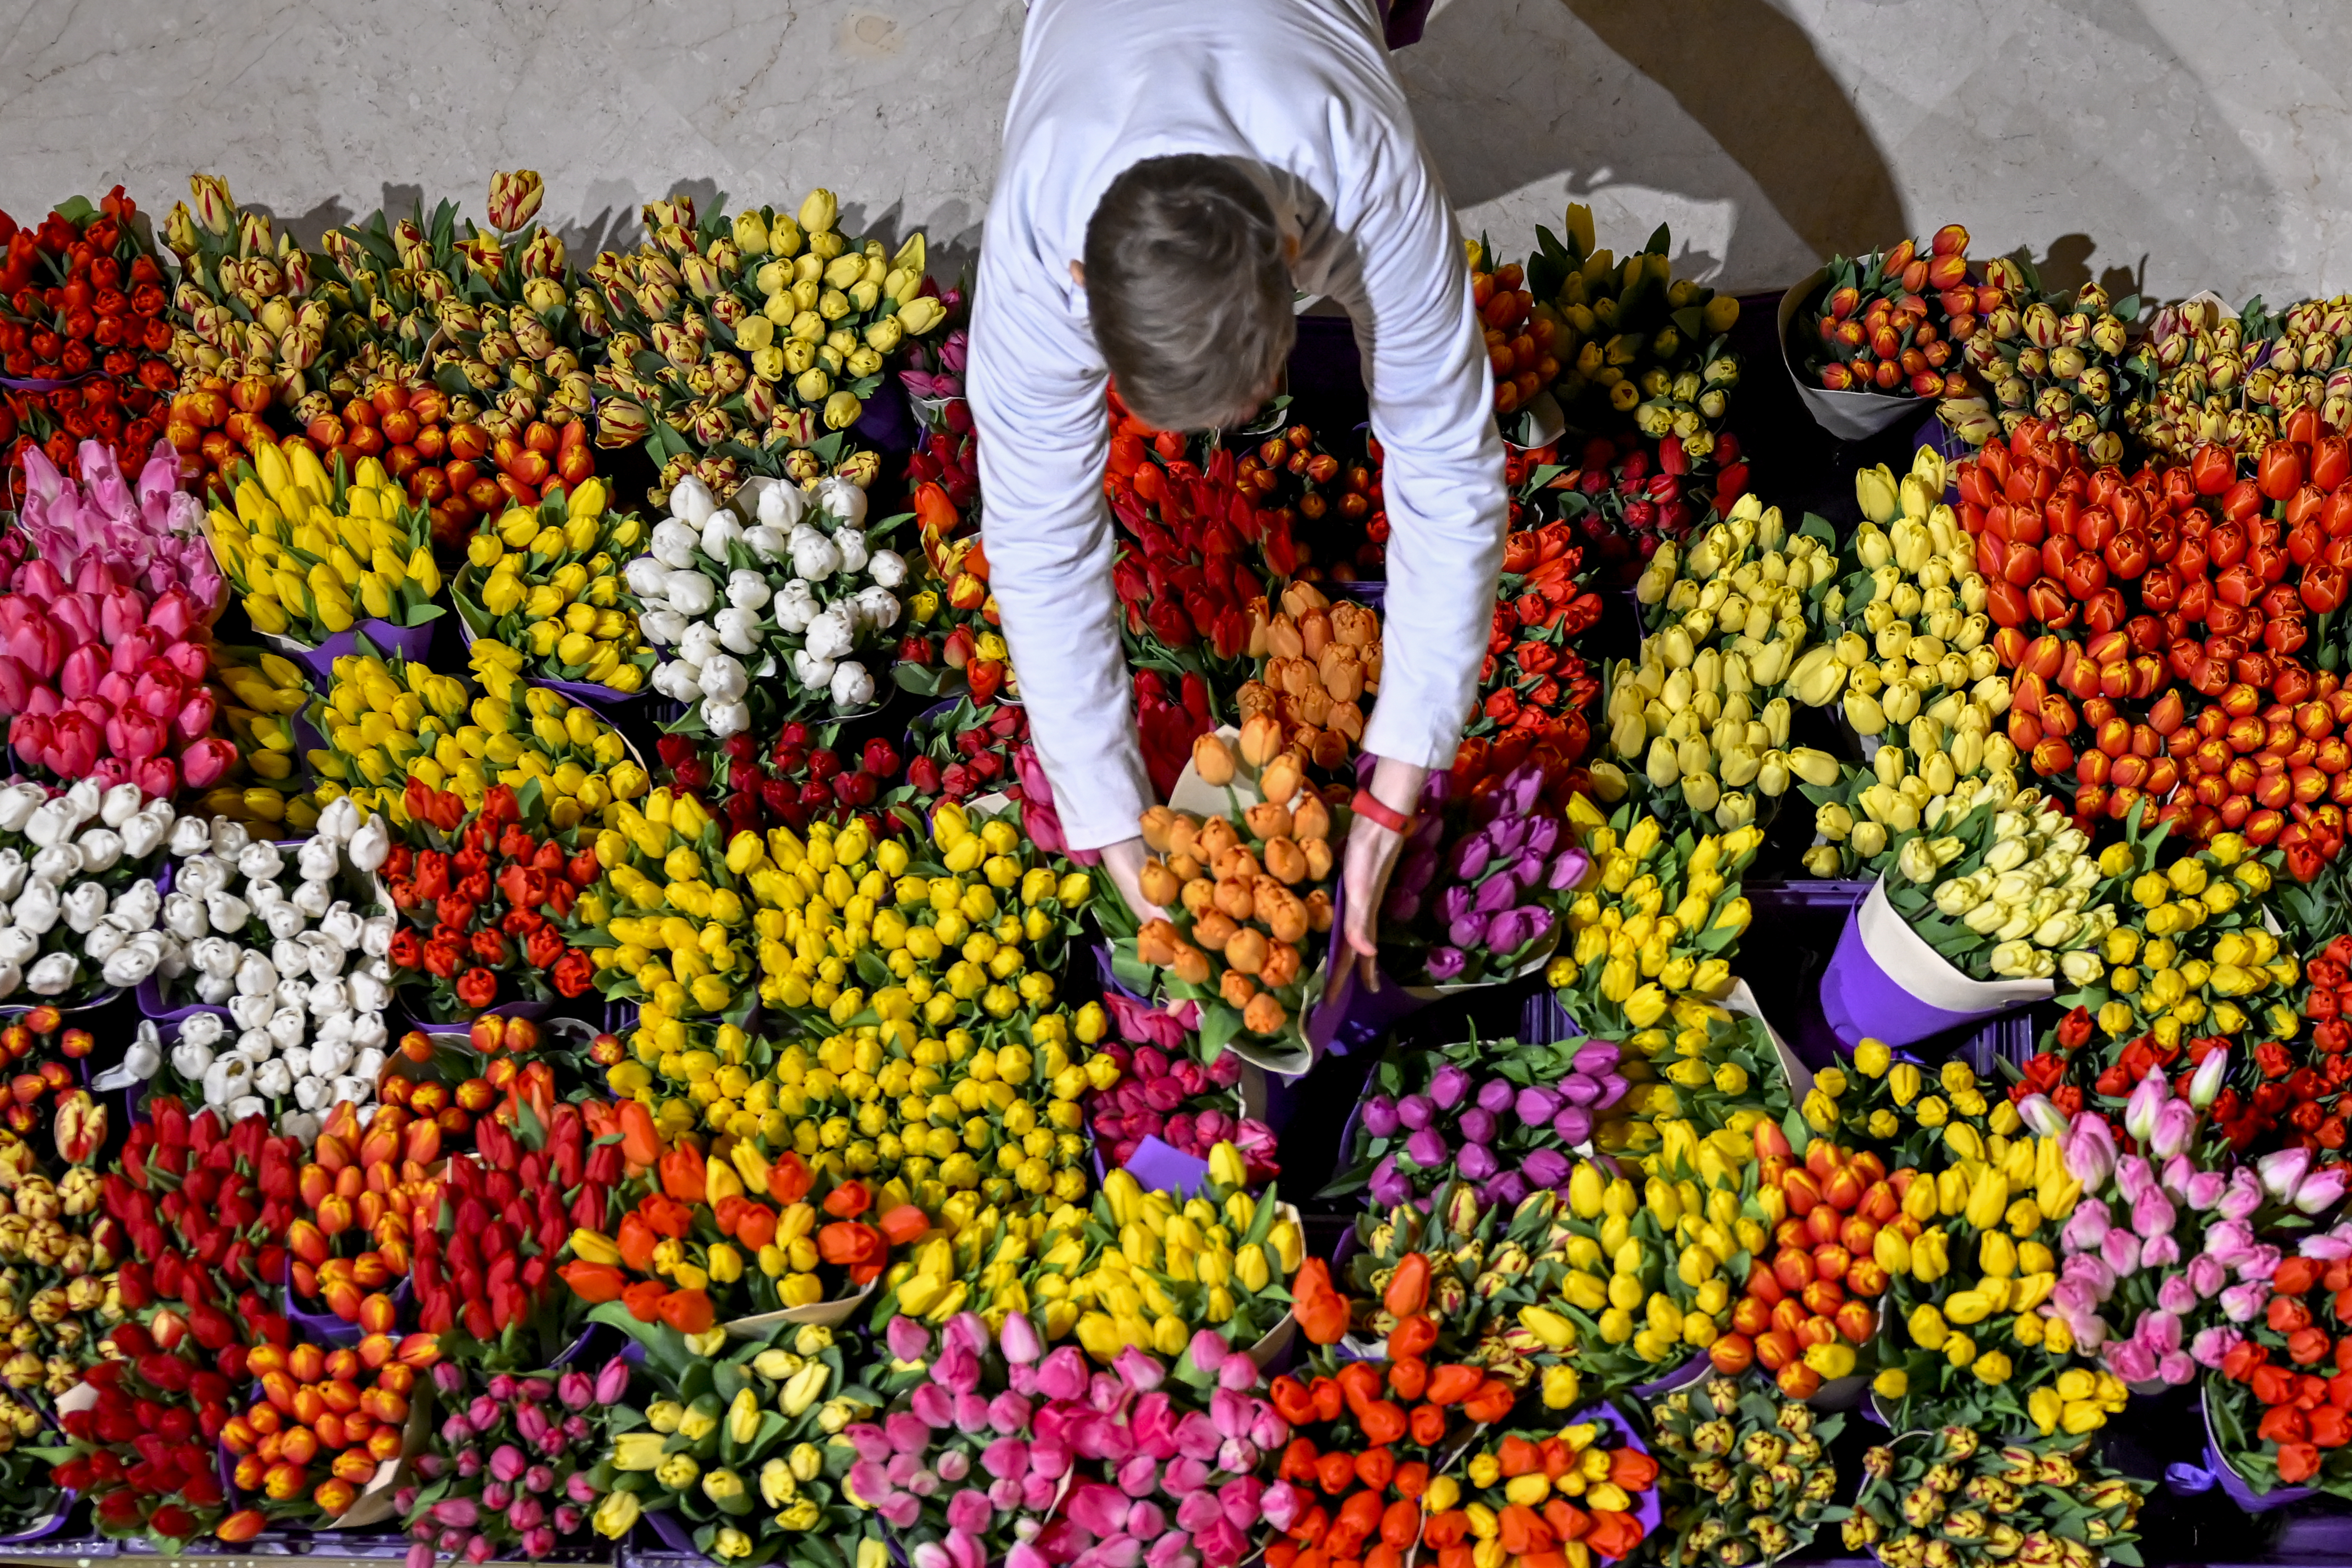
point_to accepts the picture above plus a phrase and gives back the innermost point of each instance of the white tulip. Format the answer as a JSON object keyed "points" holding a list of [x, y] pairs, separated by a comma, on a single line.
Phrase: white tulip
{"points": [[273, 1080], [248, 1010], [724, 678], [57, 865], [782, 505], [319, 858], [205, 1028], [340, 820], [228, 1079], [830, 636], [103, 942], [673, 544], [312, 899], [853, 686], [136, 908], [193, 836], [815, 556], [676, 680], [738, 630], [101, 848], [841, 497], [662, 627], [36, 908], [691, 593], [851, 543], [768, 543], [816, 674], [18, 945], [748, 591], [119, 805], [54, 974], [795, 607], [229, 839], [691, 502], [699, 644], [648, 579], [725, 719], [719, 531], [877, 607], [17, 803], [886, 567]]}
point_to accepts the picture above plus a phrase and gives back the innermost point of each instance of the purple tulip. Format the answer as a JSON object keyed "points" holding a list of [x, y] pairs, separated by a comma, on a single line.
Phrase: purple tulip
{"points": [[1578, 1089], [1389, 1187], [1447, 1085], [1476, 1161], [1543, 834], [1572, 1125], [1497, 893], [1416, 1112], [1527, 870], [1508, 1190], [1445, 963], [1470, 857], [1470, 931], [1509, 932], [1477, 1125], [1426, 1149], [1452, 903], [1506, 834], [1536, 1105], [1546, 1167], [1597, 1056], [1379, 1116], [1494, 1095]]}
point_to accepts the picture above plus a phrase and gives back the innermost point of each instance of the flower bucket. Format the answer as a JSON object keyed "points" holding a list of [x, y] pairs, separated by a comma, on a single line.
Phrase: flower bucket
{"points": [[1650, 1511], [2217, 1471], [421, 1013], [152, 1005], [43, 1529], [325, 1327], [1374, 592], [408, 642], [1848, 415], [674, 1533], [1884, 983], [1691, 1372]]}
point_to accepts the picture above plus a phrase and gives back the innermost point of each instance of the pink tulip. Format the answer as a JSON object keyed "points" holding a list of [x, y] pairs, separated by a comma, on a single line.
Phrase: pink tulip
{"points": [[130, 653], [74, 747], [174, 614], [207, 762], [15, 686], [189, 658], [78, 677], [40, 582], [77, 617]]}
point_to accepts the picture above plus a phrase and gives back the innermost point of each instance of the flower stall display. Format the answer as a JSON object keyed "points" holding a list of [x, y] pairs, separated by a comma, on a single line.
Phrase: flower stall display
{"points": [[750, 346], [1633, 343], [158, 1478], [32, 1499], [2056, 356], [83, 336], [359, 1449], [671, 971], [481, 898], [779, 581], [1954, 1489], [451, 466], [1748, 1479], [261, 693], [1228, 884], [41, 1054], [2233, 379], [548, 580], [725, 1441], [1534, 688], [802, 777], [966, 751], [1332, 499], [287, 990], [2260, 1414], [1503, 1119], [311, 554], [148, 532], [84, 913], [1653, 922], [512, 1464]]}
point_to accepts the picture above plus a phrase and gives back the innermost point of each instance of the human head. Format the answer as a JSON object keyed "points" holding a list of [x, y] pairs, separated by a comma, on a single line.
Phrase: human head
{"points": [[1189, 291]]}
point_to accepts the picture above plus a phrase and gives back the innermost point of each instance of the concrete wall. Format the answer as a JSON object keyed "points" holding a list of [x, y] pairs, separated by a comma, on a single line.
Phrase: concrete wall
{"points": [[2167, 145]]}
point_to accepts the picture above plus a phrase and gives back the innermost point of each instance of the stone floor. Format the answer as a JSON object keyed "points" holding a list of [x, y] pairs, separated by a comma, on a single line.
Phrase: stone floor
{"points": [[2166, 144]]}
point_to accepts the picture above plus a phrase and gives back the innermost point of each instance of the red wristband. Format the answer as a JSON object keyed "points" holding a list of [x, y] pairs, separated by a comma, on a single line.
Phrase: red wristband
{"points": [[1370, 805]]}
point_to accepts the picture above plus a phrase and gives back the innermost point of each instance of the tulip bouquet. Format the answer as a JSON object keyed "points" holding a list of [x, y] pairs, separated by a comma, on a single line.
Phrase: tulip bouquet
{"points": [[967, 751], [513, 1464], [1174, 1097], [2056, 357], [260, 694], [701, 965], [1320, 659], [2233, 380], [437, 451], [1629, 337], [1964, 1295], [1662, 1250], [102, 678], [1807, 1315], [1728, 618], [300, 978], [1516, 1115], [768, 331], [2194, 960], [1539, 1490], [2267, 1407], [143, 1443], [359, 1425], [481, 898], [312, 554], [1521, 340], [1148, 1461], [41, 1075], [952, 645], [1477, 894], [275, 351], [204, 1207], [1749, 1477], [1335, 503], [1950, 1497], [148, 534], [83, 334], [727, 1439], [734, 1230], [795, 596], [546, 580], [2004, 893], [802, 777], [1022, 1079], [31, 1498], [1168, 720], [1898, 321], [1655, 919], [1229, 881], [1532, 688], [1489, 1277], [83, 912], [1186, 588]]}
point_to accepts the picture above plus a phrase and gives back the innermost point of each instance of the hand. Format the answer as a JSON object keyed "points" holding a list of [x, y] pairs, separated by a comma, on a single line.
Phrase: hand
{"points": [[1124, 860], [1370, 856]]}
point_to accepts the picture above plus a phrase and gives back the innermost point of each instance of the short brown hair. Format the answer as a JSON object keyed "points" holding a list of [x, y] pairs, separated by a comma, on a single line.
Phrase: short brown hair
{"points": [[1188, 290]]}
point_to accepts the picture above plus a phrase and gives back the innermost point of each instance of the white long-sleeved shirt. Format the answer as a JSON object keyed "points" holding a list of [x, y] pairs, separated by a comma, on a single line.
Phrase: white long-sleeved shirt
{"points": [[1301, 92]]}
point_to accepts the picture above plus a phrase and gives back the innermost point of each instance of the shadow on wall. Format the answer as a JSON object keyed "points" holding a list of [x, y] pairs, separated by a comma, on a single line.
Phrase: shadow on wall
{"points": [[1743, 73]]}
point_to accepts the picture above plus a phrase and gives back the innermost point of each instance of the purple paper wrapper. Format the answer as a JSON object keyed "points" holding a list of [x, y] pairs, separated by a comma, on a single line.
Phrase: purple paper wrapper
{"points": [[886, 422], [1374, 592], [2217, 1471], [1163, 1168], [325, 1327], [1651, 1508], [408, 642], [45, 1528], [605, 700], [1354, 1016], [673, 1531], [1861, 1001], [1682, 1377]]}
